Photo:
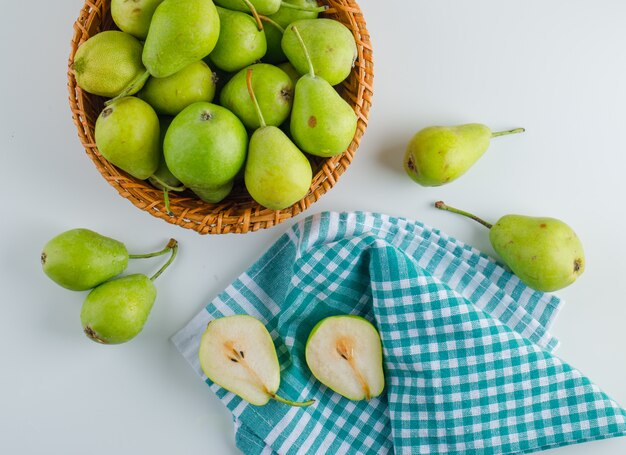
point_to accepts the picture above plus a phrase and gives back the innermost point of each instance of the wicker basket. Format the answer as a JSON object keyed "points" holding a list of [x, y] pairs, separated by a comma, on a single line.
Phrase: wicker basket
{"points": [[239, 213]]}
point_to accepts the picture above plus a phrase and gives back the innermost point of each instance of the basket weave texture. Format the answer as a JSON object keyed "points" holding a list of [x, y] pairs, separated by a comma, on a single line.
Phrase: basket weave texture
{"points": [[238, 213]]}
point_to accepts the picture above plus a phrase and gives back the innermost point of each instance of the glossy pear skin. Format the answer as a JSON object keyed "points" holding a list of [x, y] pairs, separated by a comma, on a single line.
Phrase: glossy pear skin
{"points": [[264, 7], [128, 135], [322, 123], [81, 259], [545, 253], [170, 95], [205, 147], [108, 62], [134, 16], [240, 43], [274, 91], [277, 173], [439, 155], [181, 32], [116, 311], [331, 45]]}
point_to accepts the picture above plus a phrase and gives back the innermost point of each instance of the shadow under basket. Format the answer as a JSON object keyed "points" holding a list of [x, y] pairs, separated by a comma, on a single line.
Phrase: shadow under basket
{"points": [[238, 213]]}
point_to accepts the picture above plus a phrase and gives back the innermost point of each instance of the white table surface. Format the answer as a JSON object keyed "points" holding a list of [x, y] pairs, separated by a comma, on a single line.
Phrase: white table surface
{"points": [[557, 68]]}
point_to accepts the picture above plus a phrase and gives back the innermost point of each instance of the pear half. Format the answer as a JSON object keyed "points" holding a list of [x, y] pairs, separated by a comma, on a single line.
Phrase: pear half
{"points": [[345, 354], [238, 354]]}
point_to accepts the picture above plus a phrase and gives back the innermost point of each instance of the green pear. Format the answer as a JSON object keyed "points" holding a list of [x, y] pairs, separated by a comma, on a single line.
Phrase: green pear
{"points": [[345, 354], [170, 95], [127, 134], [438, 155], [277, 174], [322, 122], [241, 41], [290, 71], [331, 46], [181, 32], [238, 354], [134, 16], [109, 62], [81, 259], [116, 311], [205, 147], [545, 253], [274, 91], [295, 10]]}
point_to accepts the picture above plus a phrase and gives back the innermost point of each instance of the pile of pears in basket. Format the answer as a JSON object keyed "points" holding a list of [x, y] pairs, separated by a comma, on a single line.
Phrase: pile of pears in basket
{"points": [[271, 65]]}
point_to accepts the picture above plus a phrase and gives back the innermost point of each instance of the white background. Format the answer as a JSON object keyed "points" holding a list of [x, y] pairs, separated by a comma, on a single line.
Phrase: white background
{"points": [[557, 68]]}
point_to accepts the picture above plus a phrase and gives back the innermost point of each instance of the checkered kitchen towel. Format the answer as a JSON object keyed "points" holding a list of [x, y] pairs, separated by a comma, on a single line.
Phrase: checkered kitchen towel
{"points": [[469, 360]]}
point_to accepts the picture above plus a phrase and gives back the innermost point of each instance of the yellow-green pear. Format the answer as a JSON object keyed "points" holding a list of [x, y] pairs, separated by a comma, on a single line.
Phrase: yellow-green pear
{"points": [[134, 16], [109, 62], [238, 354], [127, 134], [241, 41], [545, 253], [181, 32], [277, 174], [170, 95], [274, 92], [331, 46], [345, 354], [81, 259], [322, 122], [438, 155]]}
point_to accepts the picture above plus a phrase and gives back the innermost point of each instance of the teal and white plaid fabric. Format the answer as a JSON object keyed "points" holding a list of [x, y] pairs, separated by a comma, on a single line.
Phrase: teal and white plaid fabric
{"points": [[469, 360]]}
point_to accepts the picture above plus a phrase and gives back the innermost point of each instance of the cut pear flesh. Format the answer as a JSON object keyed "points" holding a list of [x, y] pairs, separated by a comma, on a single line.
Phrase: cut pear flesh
{"points": [[345, 354], [238, 354]]}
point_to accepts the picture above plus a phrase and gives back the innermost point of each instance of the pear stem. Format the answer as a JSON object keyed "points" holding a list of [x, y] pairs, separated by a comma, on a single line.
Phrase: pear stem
{"points": [[442, 206], [273, 22], [315, 9], [506, 133], [150, 255], [166, 190], [254, 100], [140, 80], [172, 245], [297, 404], [306, 51], [255, 14]]}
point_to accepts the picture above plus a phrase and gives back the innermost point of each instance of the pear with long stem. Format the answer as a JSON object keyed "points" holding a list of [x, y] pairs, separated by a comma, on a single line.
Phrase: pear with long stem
{"points": [[277, 174], [81, 259], [238, 354], [545, 253], [322, 122], [116, 311], [438, 155]]}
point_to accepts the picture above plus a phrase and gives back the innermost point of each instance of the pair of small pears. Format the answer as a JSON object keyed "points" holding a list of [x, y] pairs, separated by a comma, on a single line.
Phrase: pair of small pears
{"points": [[343, 352], [116, 309], [545, 253]]}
